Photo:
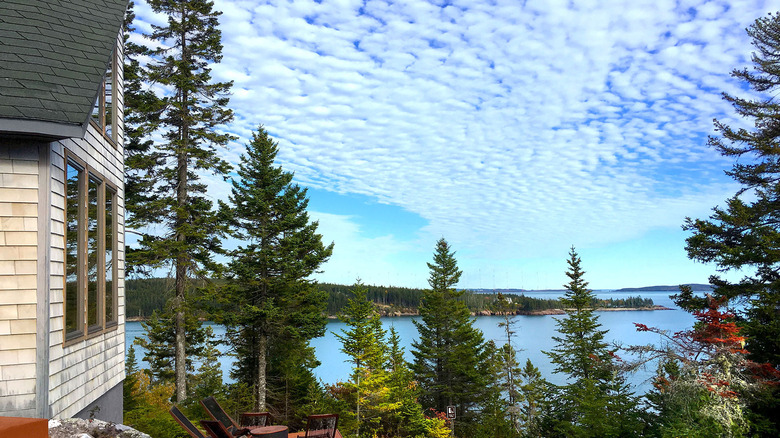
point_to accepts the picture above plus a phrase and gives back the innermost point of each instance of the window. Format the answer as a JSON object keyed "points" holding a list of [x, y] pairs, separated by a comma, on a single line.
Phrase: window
{"points": [[104, 112], [90, 252]]}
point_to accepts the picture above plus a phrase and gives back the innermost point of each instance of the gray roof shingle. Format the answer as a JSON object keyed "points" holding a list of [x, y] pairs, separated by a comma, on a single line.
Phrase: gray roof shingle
{"points": [[53, 54]]}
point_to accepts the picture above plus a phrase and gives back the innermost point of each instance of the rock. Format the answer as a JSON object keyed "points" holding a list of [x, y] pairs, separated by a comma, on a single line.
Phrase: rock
{"points": [[80, 428]]}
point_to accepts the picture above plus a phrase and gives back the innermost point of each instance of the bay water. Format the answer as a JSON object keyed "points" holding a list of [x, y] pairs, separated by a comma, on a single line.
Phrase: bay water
{"points": [[533, 335]]}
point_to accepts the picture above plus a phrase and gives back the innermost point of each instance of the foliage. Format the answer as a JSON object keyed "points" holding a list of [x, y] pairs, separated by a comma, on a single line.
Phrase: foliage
{"points": [[145, 295], [185, 115], [533, 390], [450, 357], [270, 298], [508, 373], [595, 401], [744, 235], [704, 377], [151, 415], [364, 344], [581, 350], [129, 399], [141, 113]]}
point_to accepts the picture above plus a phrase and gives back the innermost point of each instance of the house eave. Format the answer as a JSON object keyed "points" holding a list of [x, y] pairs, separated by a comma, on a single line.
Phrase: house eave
{"points": [[41, 129]]}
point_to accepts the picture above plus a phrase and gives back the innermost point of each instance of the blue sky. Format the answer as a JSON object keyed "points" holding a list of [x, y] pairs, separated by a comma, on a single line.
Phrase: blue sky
{"points": [[513, 129]]}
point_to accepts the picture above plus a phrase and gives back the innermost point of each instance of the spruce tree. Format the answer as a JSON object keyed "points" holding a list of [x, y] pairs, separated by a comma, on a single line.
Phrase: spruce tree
{"points": [[532, 394], [141, 114], [580, 351], [191, 108], [508, 368], [744, 235], [273, 302], [596, 401], [364, 343], [451, 360]]}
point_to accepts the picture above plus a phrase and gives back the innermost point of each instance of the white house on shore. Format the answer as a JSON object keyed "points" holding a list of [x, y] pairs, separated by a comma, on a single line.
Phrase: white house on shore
{"points": [[61, 209]]}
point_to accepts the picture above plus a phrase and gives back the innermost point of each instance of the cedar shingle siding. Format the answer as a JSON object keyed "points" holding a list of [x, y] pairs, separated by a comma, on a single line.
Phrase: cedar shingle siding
{"points": [[53, 58]]}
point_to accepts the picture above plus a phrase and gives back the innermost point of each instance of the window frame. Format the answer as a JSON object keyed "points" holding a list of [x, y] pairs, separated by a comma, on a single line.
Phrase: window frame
{"points": [[99, 122], [83, 328]]}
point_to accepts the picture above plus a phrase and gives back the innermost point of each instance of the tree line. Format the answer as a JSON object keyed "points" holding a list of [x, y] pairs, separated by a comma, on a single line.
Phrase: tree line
{"points": [[720, 378], [145, 295]]}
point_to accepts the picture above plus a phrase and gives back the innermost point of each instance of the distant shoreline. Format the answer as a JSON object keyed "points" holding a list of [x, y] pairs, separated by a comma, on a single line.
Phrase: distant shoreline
{"points": [[528, 312], [695, 287], [489, 313]]}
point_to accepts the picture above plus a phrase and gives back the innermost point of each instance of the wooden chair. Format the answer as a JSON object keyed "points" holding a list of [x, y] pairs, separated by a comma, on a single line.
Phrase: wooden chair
{"points": [[249, 420], [215, 429], [186, 423], [321, 426], [254, 419]]}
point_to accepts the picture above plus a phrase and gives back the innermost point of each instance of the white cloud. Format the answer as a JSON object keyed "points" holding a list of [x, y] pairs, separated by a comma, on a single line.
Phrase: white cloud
{"points": [[511, 128], [375, 260]]}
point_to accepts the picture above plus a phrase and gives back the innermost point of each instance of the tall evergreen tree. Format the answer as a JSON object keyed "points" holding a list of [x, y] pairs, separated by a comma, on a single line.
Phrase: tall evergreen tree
{"points": [[532, 390], [744, 236], [451, 360], [508, 368], [595, 402], [273, 300], [141, 115], [364, 344], [581, 350], [189, 113]]}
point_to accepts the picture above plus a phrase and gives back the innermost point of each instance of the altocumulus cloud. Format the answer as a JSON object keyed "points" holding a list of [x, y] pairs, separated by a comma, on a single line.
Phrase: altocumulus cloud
{"points": [[513, 128]]}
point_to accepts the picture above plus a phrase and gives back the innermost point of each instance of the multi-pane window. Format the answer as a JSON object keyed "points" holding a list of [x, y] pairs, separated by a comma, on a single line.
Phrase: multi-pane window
{"points": [[104, 112], [90, 252]]}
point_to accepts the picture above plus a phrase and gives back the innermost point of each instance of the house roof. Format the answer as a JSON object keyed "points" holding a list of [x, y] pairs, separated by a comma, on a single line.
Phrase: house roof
{"points": [[53, 55]]}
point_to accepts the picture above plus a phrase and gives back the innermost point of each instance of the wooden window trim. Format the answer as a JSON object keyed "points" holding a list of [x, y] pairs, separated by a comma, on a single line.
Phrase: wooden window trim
{"points": [[85, 331], [100, 124]]}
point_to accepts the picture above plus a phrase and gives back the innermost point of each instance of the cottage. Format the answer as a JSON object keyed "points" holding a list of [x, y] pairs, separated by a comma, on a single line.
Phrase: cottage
{"points": [[61, 209]]}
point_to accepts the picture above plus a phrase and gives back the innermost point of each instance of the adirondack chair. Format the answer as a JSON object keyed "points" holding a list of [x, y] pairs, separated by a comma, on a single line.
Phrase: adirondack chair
{"points": [[186, 423], [320, 426], [254, 419], [215, 429], [249, 420]]}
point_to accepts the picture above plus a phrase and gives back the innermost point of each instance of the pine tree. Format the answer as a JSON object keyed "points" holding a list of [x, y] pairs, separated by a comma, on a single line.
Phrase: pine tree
{"points": [[160, 342], [595, 402], [129, 399], [451, 361], [533, 391], [272, 299], [405, 416], [743, 236], [190, 110], [364, 343], [141, 114], [509, 369], [581, 350]]}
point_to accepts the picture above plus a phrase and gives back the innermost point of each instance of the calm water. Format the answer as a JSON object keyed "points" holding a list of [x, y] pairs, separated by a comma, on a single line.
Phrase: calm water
{"points": [[533, 334]]}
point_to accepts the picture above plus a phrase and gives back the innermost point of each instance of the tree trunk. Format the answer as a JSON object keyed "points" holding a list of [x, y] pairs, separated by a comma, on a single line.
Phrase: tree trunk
{"points": [[262, 383], [181, 259], [181, 287], [181, 358]]}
